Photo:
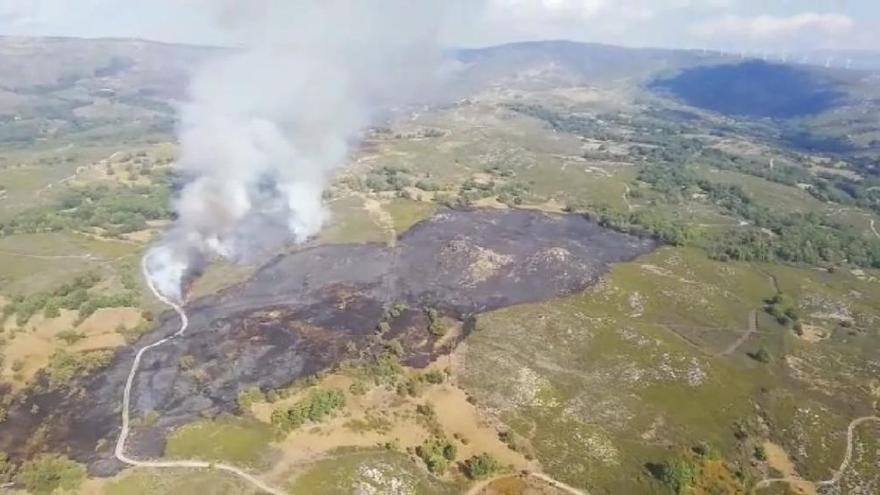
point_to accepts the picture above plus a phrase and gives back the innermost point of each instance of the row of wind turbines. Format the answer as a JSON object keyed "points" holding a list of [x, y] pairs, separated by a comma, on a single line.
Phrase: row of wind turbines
{"points": [[827, 61]]}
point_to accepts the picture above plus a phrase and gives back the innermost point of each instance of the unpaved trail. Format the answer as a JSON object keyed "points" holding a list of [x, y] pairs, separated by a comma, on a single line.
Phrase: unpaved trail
{"points": [[559, 484], [88, 257], [753, 327], [477, 488], [625, 197], [850, 433], [874, 229], [119, 452], [847, 458], [381, 216]]}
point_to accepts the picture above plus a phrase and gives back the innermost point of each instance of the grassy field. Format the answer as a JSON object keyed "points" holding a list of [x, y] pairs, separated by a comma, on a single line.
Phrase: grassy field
{"points": [[371, 471], [238, 441], [32, 262], [406, 213], [351, 222], [605, 382], [172, 482]]}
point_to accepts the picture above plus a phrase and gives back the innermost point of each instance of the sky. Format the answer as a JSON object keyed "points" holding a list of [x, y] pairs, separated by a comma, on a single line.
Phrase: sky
{"points": [[732, 25]]}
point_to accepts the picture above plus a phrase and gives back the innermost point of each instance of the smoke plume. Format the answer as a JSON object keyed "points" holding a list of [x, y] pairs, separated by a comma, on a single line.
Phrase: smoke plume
{"points": [[267, 123]]}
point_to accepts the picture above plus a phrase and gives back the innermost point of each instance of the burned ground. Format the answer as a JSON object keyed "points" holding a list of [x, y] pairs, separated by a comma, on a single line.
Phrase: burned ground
{"points": [[306, 311]]}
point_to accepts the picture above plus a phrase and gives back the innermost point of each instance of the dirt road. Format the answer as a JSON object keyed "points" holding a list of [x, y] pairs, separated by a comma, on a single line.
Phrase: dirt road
{"points": [[847, 458], [119, 452], [477, 488]]}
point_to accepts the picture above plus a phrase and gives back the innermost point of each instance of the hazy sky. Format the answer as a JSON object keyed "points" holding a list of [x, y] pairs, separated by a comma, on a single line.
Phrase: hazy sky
{"points": [[775, 25]]}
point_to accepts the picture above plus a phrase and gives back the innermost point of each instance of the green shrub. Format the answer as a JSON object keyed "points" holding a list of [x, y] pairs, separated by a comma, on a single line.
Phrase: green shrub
{"points": [[70, 336], [249, 396], [49, 472], [479, 466], [434, 377]]}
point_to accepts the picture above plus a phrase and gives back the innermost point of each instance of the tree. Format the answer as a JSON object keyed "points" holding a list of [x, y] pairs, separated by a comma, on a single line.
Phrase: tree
{"points": [[450, 451], [678, 475], [70, 336], [51, 309], [434, 377]]}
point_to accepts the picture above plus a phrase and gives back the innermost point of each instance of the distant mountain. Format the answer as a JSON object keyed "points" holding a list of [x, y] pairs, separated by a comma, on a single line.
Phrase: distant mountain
{"points": [[573, 61], [53, 86]]}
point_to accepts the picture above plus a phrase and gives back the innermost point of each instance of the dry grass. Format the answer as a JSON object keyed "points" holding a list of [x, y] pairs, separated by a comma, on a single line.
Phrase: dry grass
{"points": [[381, 416], [33, 344]]}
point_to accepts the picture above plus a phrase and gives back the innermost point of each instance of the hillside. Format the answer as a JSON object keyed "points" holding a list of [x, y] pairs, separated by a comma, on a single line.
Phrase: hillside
{"points": [[579, 268]]}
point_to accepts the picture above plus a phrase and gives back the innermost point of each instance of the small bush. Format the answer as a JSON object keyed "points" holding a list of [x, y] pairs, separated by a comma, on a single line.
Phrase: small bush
{"points": [[479, 466]]}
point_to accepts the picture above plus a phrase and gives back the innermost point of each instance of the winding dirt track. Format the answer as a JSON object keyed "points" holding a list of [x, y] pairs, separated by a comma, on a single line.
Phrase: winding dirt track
{"points": [[126, 400], [847, 457]]}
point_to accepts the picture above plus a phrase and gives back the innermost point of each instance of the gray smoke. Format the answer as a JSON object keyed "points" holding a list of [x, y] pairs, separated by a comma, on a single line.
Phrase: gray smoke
{"points": [[266, 125]]}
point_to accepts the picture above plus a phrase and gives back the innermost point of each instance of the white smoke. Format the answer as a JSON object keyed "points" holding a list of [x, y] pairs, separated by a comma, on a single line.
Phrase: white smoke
{"points": [[266, 124]]}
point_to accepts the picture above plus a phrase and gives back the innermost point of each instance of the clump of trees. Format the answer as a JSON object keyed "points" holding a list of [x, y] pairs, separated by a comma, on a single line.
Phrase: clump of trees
{"points": [[437, 453], [64, 366], [388, 178], [678, 474], [73, 295], [579, 124], [319, 404], [116, 210], [413, 385], [783, 310], [68, 296], [769, 236], [436, 326]]}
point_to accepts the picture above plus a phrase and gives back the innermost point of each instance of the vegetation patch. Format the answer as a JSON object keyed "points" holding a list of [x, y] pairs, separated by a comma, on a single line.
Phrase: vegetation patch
{"points": [[368, 472], [316, 406], [47, 473], [237, 441]]}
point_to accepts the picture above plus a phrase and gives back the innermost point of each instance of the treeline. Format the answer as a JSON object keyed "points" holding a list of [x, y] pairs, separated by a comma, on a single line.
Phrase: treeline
{"points": [[397, 179], [824, 186], [659, 141], [117, 210], [73, 295], [581, 125], [770, 236], [319, 404]]}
